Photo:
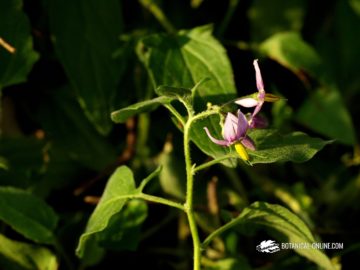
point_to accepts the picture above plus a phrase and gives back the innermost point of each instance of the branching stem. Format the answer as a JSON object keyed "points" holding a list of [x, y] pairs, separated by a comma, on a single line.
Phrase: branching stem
{"points": [[188, 206], [189, 197]]}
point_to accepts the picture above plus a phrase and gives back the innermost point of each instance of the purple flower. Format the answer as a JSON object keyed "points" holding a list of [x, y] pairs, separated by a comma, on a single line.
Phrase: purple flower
{"points": [[258, 99], [234, 131], [258, 121]]}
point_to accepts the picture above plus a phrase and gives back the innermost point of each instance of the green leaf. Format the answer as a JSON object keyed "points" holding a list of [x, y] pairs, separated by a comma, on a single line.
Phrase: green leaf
{"points": [[62, 117], [116, 222], [94, 254], [280, 223], [24, 157], [123, 114], [169, 91], [28, 215], [291, 51], [15, 30], [120, 185], [284, 16], [345, 53], [284, 226], [325, 109], [273, 147], [173, 172], [124, 229], [186, 95], [355, 5], [18, 255], [4, 165], [85, 36], [187, 58], [22, 153], [325, 113], [338, 47]]}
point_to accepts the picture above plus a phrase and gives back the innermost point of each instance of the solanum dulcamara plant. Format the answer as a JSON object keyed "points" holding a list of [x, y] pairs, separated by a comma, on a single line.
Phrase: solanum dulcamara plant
{"points": [[238, 142], [234, 130]]}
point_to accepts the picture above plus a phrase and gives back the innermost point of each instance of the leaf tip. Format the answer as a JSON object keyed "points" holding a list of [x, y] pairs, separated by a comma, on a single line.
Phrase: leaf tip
{"points": [[114, 116]]}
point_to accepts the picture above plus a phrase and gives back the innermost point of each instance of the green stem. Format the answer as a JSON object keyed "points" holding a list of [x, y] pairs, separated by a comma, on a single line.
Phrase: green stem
{"points": [[150, 198], [219, 231], [59, 248], [158, 14], [188, 107], [229, 14], [189, 196], [149, 178], [190, 184], [160, 200], [204, 114], [175, 113], [188, 206], [1, 113], [212, 162]]}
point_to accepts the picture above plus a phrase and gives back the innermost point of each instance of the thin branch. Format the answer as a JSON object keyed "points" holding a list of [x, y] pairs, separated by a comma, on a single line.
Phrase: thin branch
{"points": [[149, 178], [7, 46], [218, 231], [143, 196], [212, 162], [212, 198], [160, 200], [177, 115], [158, 14], [61, 251], [229, 14]]}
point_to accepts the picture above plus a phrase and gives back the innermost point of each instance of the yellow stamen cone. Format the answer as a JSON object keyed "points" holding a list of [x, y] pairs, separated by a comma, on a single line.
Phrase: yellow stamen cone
{"points": [[240, 149]]}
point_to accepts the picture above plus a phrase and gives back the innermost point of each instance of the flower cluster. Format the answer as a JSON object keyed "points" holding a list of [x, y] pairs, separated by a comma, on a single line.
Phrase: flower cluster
{"points": [[236, 127]]}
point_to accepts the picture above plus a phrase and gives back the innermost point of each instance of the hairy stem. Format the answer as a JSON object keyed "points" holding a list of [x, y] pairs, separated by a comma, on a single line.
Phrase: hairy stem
{"points": [[212, 162], [151, 198], [160, 200], [189, 197], [188, 206]]}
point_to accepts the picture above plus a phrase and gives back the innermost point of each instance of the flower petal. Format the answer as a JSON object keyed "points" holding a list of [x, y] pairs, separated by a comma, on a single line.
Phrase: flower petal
{"points": [[230, 128], [257, 109], [248, 143], [219, 142], [259, 81], [258, 121], [247, 102], [242, 125]]}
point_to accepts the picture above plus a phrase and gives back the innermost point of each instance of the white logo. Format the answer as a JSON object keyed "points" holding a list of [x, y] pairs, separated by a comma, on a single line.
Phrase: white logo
{"points": [[268, 246]]}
